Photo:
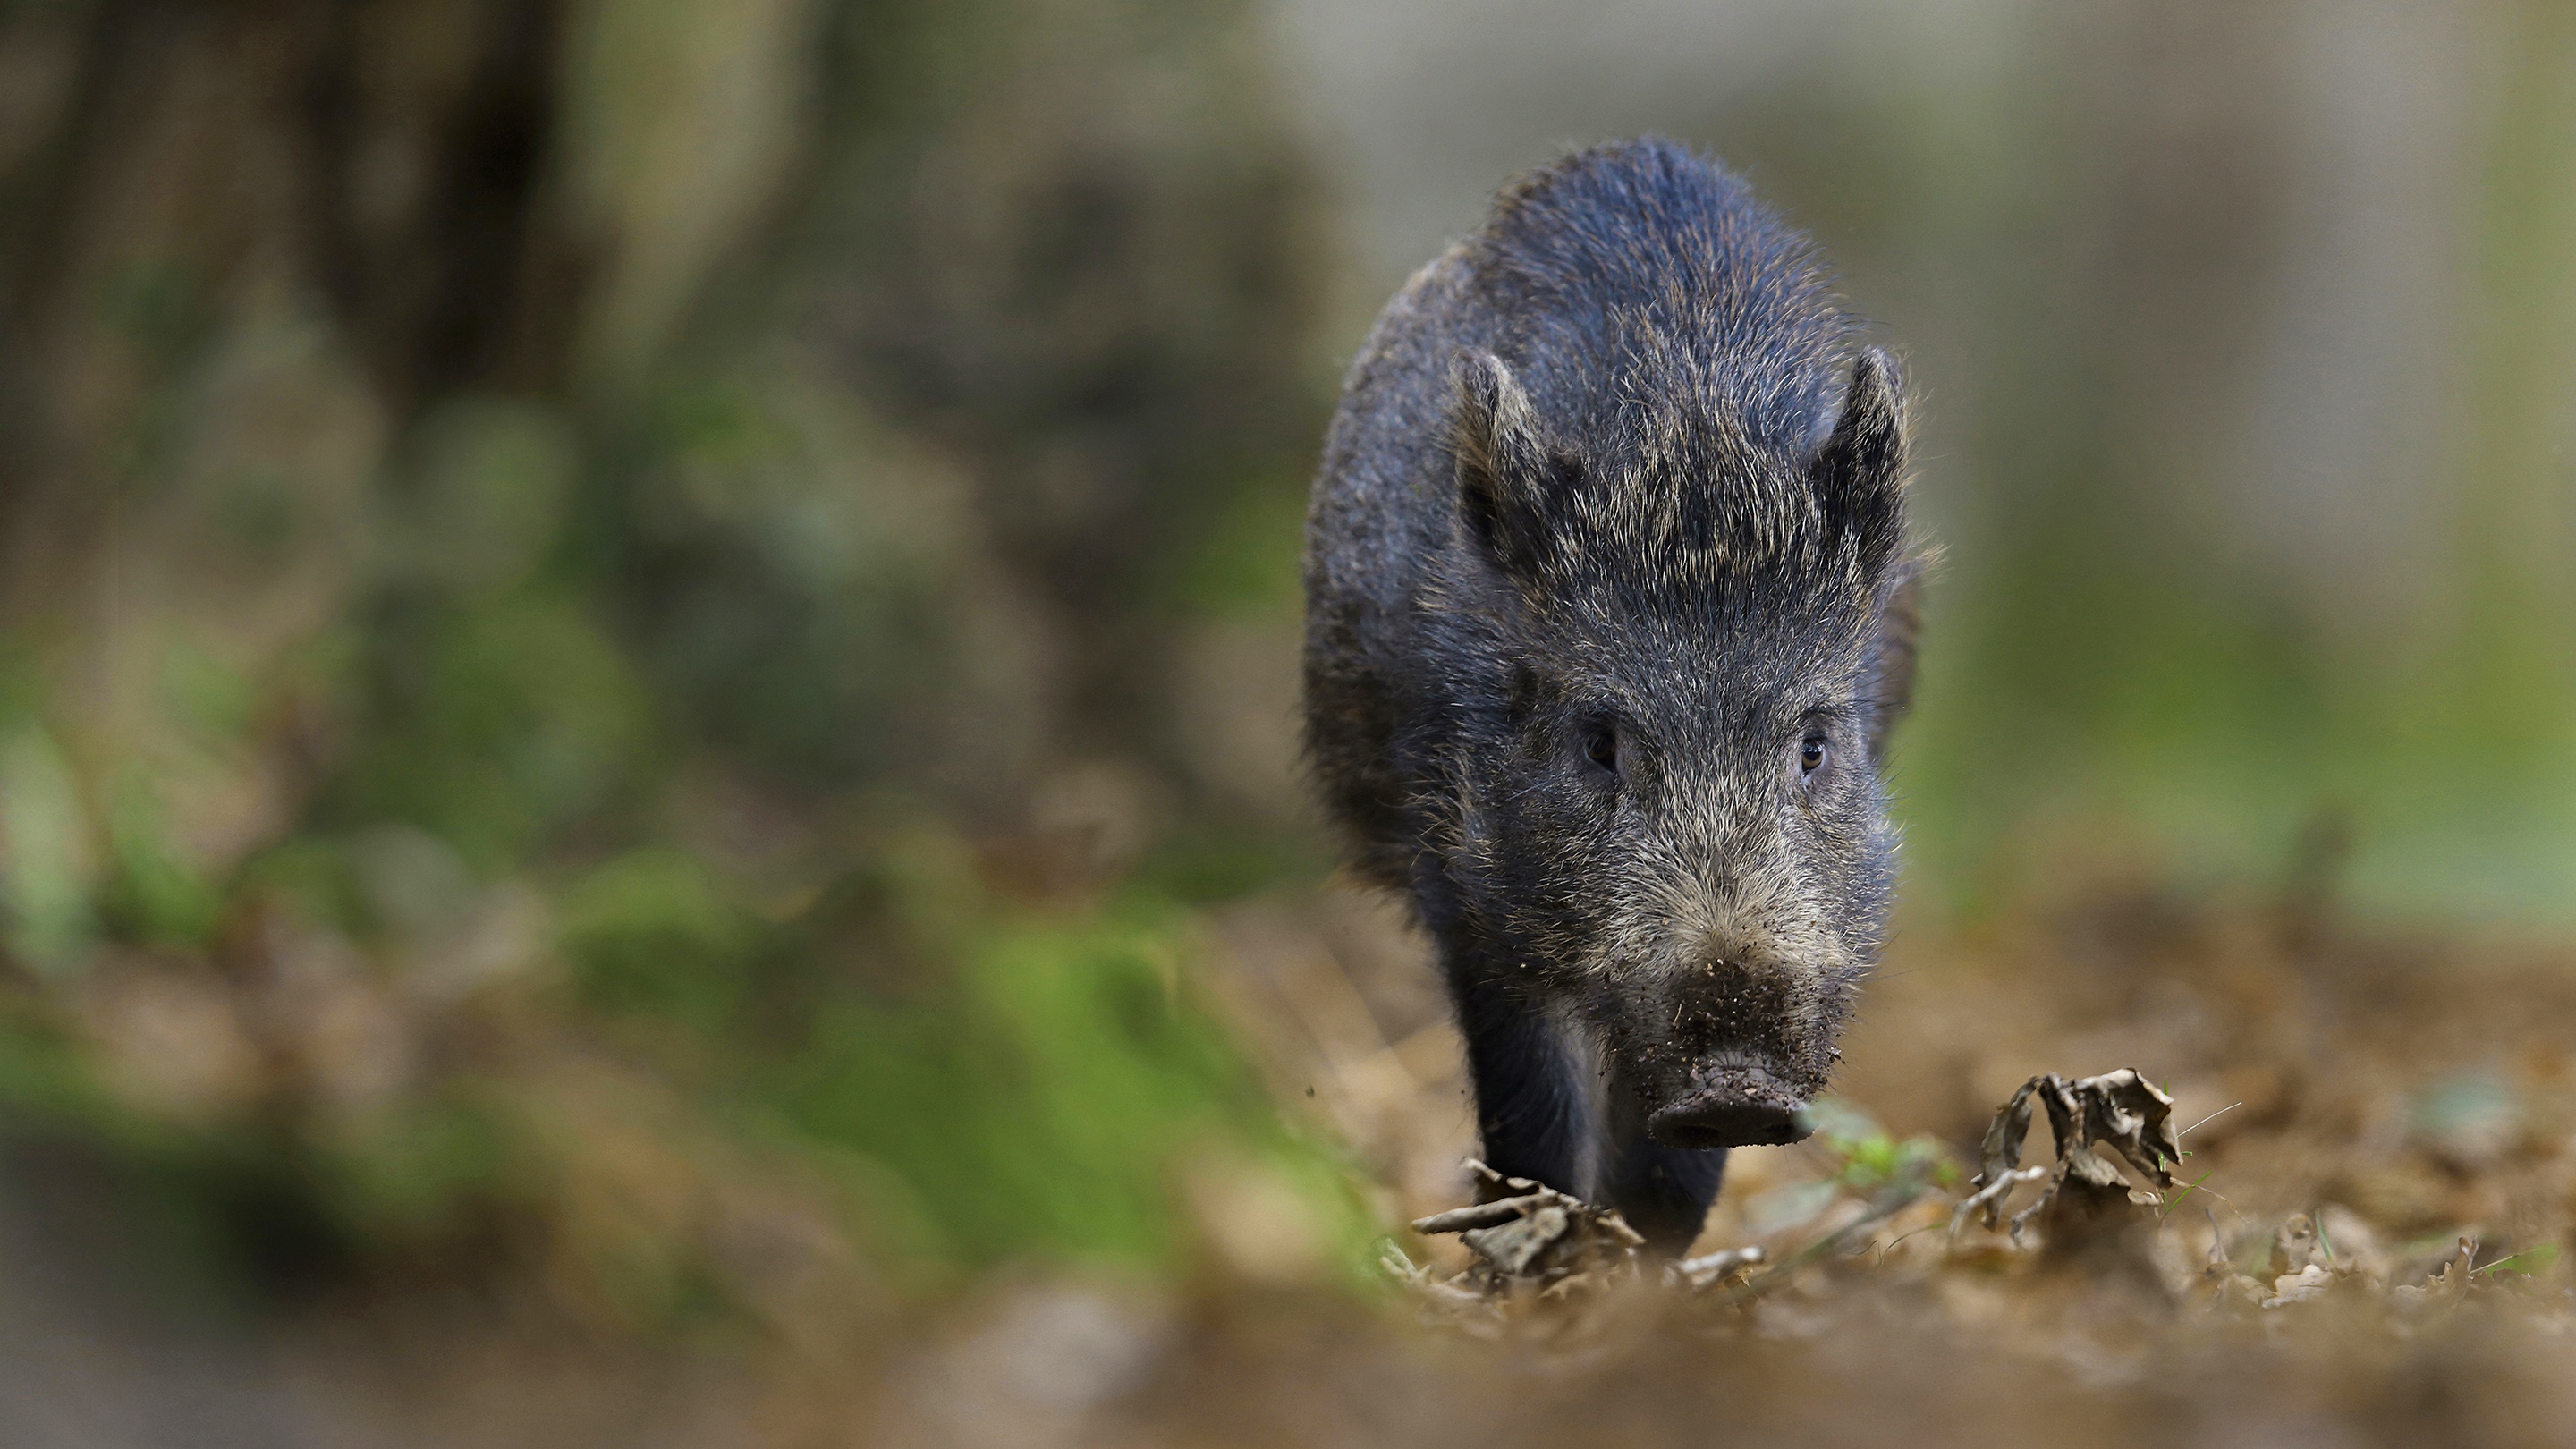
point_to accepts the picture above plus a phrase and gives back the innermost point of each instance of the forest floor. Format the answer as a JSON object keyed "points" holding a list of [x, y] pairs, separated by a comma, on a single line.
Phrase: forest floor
{"points": [[2359, 1245]]}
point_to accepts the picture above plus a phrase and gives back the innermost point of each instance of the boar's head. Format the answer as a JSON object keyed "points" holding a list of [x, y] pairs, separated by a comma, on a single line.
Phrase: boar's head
{"points": [[1677, 639]]}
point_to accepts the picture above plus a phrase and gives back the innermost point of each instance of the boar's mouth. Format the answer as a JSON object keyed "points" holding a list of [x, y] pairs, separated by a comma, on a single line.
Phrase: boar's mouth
{"points": [[1741, 1106]]}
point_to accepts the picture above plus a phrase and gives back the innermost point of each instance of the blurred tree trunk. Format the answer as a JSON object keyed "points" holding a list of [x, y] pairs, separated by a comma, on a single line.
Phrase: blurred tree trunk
{"points": [[846, 396], [247, 245], [181, 168]]}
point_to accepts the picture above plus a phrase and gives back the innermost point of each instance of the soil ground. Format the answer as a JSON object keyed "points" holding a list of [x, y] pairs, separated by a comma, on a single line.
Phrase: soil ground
{"points": [[2361, 1247]]}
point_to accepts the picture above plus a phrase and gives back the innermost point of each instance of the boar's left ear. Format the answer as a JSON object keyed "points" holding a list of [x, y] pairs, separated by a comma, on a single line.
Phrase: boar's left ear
{"points": [[1859, 474], [1900, 620]]}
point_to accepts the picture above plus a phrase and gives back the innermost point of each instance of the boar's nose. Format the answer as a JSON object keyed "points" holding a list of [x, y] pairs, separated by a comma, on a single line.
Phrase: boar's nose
{"points": [[1731, 1107]]}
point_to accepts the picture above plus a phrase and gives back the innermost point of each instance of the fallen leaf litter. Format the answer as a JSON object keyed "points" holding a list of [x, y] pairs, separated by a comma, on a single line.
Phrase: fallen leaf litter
{"points": [[2349, 1106], [1531, 1246]]}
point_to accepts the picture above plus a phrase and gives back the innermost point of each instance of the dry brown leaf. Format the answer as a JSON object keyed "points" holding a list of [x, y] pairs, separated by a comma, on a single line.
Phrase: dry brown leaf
{"points": [[2120, 1111], [1536, 1237], [2309, 1282]]}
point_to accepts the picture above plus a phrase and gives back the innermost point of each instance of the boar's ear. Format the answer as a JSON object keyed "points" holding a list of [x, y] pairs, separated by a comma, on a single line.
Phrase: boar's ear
{"points": [[1859, 474], [1900, 620], [1502, 465]]}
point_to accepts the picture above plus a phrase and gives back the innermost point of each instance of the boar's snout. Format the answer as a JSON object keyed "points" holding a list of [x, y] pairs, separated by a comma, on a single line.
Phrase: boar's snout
{"points": [[1740, 1106]]}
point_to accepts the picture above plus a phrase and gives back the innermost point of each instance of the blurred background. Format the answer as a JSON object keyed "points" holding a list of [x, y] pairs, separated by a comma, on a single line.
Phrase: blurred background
{"points": [[647, 647]]}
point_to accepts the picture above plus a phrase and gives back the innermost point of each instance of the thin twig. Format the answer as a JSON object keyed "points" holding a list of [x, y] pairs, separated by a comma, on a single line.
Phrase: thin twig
{"points": [[1900, 1237], [1886, 1205], [2212, 1117]]}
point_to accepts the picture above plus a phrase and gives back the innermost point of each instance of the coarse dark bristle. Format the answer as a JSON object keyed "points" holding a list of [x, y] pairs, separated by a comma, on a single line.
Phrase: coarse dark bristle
{"points": [[1644, 256], [1683, 347]]}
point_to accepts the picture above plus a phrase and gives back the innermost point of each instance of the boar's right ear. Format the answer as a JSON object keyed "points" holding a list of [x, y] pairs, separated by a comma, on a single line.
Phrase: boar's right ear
{"points": [[1859, 474], [1502, 464]]}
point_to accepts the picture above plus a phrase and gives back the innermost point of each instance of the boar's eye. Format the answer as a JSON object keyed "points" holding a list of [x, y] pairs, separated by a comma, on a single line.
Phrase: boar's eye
{"points": [[1601, 746], [1811, 755]]}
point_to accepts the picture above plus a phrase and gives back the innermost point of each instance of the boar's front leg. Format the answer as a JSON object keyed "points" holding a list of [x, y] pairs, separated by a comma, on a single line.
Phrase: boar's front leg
{"points": [[1663, 1192], [1534, 1096]]}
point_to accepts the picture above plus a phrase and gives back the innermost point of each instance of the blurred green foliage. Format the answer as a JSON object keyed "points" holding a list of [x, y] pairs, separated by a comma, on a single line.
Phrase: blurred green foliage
{"points": [[1867, 1160], [528, 734]]}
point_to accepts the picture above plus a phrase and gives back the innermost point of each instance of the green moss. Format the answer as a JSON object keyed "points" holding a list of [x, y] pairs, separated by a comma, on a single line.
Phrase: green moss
{"points": [[650, 934], [404, 1174], [152, 894], [498, 723], [1049, 1103]]}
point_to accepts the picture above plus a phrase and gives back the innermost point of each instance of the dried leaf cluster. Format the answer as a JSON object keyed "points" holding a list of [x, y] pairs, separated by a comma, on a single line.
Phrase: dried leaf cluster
{"points": [[1530, 1243], [2325, 1208], [1540, 1260], [2119, 1110]]}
